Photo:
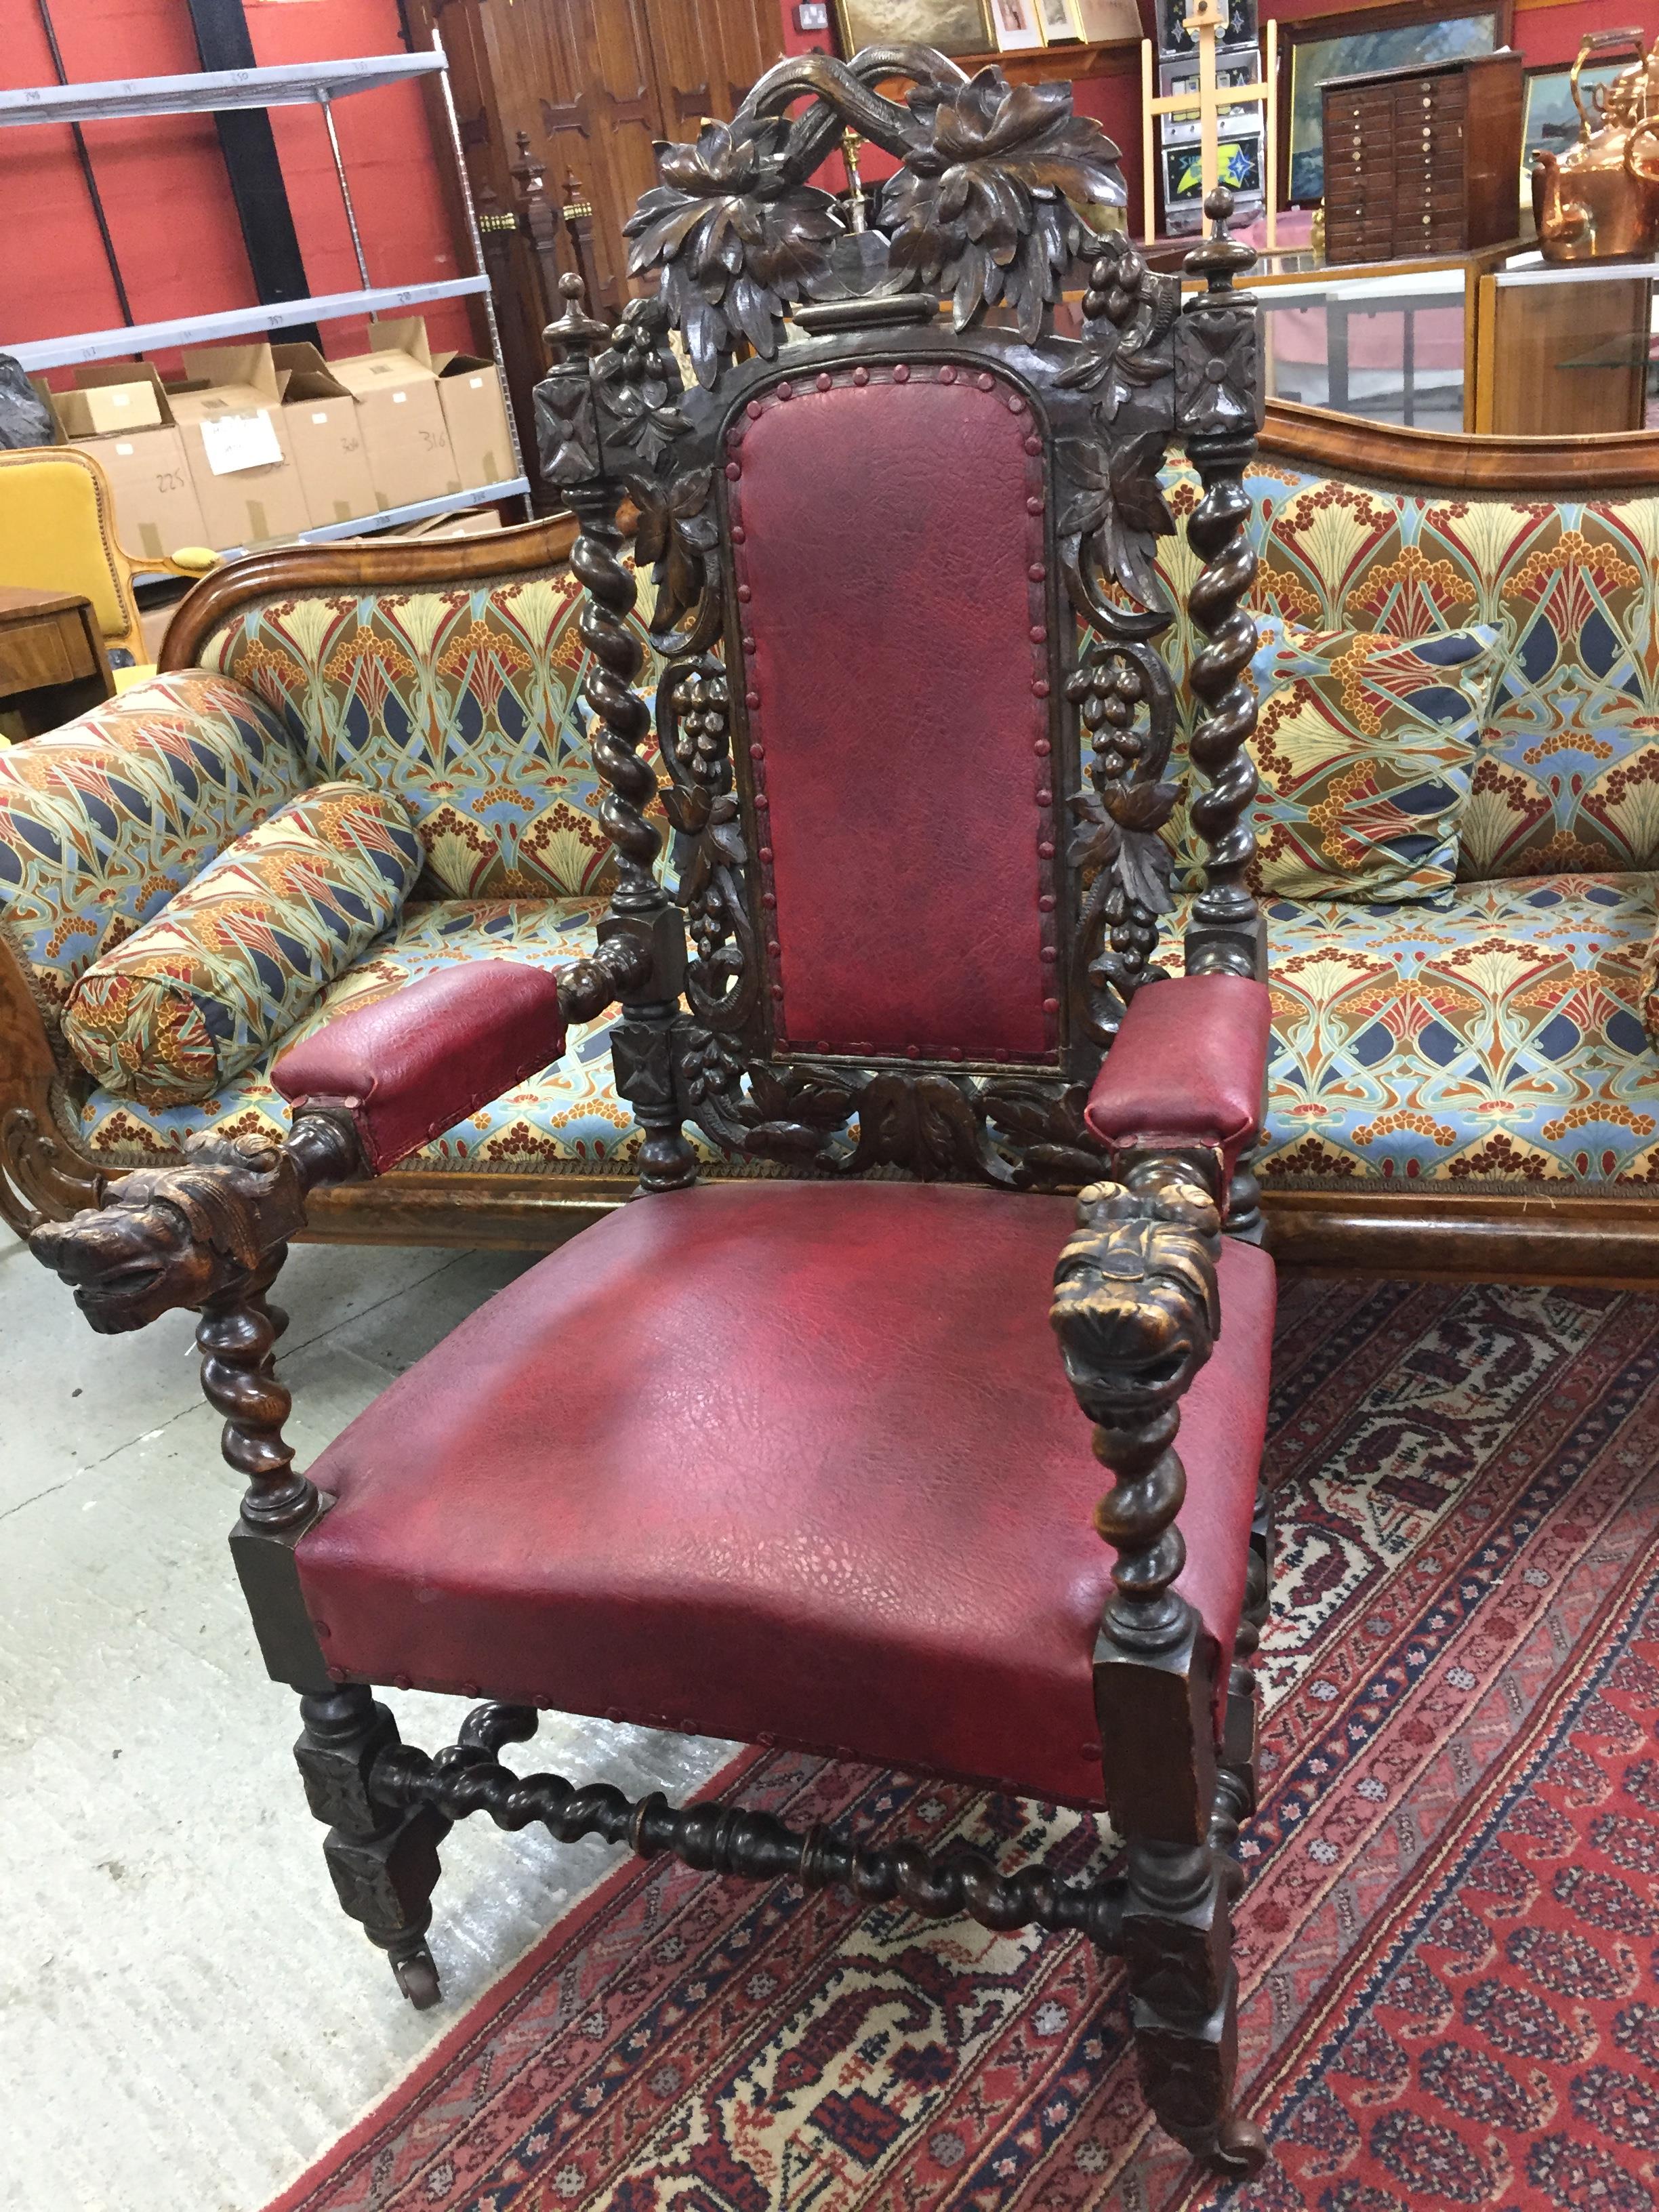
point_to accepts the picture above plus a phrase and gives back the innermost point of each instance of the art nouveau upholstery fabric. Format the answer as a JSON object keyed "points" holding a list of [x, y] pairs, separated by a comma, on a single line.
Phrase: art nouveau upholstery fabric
{"points": [[1568, 777], [1366, 746], [226, 969], [104, 820], [464, 702]]}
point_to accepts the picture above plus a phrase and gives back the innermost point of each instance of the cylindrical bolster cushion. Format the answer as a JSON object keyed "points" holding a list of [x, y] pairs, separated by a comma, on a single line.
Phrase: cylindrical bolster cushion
{"points": [[1186, 1068], [411, 1065], [233, 961]]}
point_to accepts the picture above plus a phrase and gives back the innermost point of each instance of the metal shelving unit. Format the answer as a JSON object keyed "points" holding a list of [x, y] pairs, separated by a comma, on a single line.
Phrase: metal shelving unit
{"points": [[320, 84]]}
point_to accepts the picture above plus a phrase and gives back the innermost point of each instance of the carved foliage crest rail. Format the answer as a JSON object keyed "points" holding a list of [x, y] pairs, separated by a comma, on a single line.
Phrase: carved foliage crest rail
{"points": [[992, 208]]}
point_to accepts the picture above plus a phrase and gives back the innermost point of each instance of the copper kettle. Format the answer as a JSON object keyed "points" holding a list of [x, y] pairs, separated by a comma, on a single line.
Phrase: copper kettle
{"points": [[1598, 202]]}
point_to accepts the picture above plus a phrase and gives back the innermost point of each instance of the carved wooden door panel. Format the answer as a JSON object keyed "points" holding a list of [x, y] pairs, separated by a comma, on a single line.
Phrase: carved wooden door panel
{"points": [[708, 53]]}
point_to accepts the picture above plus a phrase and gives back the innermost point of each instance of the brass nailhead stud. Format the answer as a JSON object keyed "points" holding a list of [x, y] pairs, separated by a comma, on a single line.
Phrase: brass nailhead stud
{"points": [[825, 380], [777, 990], [1040, 689], [860, 377], [1036, 572], [1015, 405], [1034, 445], [912, 1052], [744, 593], [1051, 1006], [786, 391], [1047, 902], [738, 533], [956, 1052], [773, 948], [321, 1627], [751, 698], [747, 643], [1040, 748], [947, 375], [1034, 504], [757, 752], [902, 373], [1045, 799], [985, 383], [769, 898], [732, 473], [470, 1690], [753, 411], [401, 1682], [1039, 633], [761, 799], [1049, 954], [766, 854], [1045, 851]]}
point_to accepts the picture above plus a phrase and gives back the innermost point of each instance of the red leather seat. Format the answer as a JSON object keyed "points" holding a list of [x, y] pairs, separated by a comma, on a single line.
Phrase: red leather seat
{"points": [[780, 1462]]}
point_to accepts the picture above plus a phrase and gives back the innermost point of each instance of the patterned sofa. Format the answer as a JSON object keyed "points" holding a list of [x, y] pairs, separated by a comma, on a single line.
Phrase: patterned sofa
{"points": [[1463, 1089]]}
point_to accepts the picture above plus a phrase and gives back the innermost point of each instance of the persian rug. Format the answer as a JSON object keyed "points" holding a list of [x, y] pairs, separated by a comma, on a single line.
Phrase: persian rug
{"points": [[1447, 1944]]}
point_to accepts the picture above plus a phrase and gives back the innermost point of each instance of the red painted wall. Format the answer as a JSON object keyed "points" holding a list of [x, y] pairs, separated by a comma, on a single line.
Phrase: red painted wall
{"points": [[1543, 34], [163, 183]]}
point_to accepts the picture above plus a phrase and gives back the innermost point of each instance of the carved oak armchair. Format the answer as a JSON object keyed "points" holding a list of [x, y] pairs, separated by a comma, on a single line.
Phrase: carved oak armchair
{"points": [[792, 1457]]}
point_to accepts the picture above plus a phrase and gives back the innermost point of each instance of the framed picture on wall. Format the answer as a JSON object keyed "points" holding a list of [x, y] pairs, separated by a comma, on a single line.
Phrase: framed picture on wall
{"points": [[1549, 120], [1173, 37], [1104, 22], [1320, 47], [1059, 21], [955, 27], [1017, 25], [1239, 160]]}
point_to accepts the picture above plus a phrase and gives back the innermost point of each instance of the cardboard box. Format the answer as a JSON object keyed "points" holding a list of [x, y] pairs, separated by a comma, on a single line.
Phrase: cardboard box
{"points": [[156, 509], [476, 413], [401, 415], [228, 408], [324, 435], [110, 396]]}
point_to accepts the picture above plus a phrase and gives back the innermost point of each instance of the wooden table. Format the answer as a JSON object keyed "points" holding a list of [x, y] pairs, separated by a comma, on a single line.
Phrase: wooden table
{"points": [[52, 661]]}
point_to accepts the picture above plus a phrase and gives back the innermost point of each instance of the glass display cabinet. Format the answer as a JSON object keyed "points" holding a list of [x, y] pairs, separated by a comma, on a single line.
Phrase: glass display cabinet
{"points": [[1499, 340]]}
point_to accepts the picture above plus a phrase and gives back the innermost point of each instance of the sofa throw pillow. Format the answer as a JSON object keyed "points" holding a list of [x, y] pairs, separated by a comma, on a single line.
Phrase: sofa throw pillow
{"points": [[1366, 747], [232, 961]]}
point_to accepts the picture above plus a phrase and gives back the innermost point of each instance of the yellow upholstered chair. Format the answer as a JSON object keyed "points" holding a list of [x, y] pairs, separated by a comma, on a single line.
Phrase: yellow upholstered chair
{"points": [[58, 533]]}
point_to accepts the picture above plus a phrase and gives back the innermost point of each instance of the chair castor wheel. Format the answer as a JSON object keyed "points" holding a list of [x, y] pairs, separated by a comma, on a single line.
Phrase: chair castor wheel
{"points": [[418, 1978]]}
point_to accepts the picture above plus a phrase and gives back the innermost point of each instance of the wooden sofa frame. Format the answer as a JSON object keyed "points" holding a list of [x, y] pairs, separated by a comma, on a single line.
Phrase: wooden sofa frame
{"points": [[1605, 1236]]}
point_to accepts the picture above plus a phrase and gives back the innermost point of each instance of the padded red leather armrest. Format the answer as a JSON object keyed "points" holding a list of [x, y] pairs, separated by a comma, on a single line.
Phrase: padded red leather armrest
{"points": [[1186, 1068], [418, 1060]]}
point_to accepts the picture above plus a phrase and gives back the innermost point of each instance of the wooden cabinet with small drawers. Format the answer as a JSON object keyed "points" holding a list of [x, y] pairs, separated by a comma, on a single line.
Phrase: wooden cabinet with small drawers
{"points": [[1423, 161]]}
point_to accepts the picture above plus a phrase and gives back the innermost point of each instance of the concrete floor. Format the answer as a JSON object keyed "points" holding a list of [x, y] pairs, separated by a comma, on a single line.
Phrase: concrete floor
{"points": [[185, 2016]]}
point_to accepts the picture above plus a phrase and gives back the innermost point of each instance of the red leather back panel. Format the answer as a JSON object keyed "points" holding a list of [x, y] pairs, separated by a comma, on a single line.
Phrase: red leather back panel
{"points": [[888, 540]]}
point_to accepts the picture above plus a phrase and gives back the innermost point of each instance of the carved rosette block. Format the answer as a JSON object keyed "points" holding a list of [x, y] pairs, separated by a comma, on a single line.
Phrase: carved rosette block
{"points": [[1219, 410]]}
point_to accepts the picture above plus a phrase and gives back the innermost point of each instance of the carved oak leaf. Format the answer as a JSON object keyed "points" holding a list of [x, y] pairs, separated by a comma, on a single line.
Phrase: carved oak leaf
{"points": [[1116, 836], [736, 239], [1121, 508], [987, 208]]}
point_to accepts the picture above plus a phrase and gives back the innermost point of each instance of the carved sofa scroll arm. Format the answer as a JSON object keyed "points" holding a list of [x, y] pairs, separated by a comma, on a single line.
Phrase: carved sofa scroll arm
{"points": [[1136, 1309]]}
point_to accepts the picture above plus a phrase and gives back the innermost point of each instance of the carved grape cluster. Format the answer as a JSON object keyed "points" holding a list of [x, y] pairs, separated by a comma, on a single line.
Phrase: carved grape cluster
{"points": [[1108, 693], [702, 704], [1114, 291]]}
